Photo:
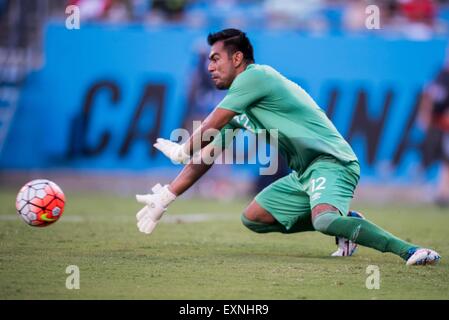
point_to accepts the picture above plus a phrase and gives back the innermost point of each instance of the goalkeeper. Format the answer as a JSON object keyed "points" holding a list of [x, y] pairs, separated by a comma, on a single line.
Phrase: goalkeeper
{"points": [[316, 195]]}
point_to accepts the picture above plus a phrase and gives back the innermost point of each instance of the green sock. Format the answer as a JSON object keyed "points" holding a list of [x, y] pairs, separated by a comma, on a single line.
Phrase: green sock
{"points": [[303, 224], [362, 232]]}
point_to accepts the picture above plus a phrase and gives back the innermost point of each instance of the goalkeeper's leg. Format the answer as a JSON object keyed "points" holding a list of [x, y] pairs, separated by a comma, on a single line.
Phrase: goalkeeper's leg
{"points": [[327, 219], [280, 207], [259, 220]]}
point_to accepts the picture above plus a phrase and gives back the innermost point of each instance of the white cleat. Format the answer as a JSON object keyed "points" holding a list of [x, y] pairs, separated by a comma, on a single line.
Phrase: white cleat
{"points": [[346, 248], [423, 257]]}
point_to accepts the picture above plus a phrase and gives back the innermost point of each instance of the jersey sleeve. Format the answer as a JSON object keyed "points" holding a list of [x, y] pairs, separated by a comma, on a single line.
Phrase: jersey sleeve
{"points": [[247, 88], [439, 92]]}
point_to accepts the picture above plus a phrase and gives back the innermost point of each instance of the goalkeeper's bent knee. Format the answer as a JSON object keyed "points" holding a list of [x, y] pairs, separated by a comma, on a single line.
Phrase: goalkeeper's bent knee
{"points": [[260, 227]]}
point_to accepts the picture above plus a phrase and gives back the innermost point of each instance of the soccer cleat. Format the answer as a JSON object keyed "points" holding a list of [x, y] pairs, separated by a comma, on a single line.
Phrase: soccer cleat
{"points": [[346, 248], [422, 256]]}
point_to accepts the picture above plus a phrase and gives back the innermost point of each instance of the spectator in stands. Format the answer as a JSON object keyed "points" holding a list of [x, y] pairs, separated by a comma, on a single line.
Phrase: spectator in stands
{"points": [[419, 17], [109, 10], [354, 16], [434, 113], [419, 11], [294, 14], [169, 10]]}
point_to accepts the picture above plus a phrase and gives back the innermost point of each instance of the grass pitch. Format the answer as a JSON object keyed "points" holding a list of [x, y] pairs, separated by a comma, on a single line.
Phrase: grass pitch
{"points": [[202, 251]]}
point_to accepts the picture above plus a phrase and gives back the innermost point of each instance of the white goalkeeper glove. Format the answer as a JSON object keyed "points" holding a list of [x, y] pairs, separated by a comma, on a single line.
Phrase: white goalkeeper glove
{"points": [[155, 206], [172, 150]]}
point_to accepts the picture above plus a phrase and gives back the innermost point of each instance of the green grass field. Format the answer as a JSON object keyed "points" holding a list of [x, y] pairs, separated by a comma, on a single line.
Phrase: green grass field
{"points": [[204, 252]]}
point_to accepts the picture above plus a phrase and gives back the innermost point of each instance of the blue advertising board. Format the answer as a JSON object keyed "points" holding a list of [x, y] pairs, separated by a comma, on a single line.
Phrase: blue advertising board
{"points": [[105, 93]]}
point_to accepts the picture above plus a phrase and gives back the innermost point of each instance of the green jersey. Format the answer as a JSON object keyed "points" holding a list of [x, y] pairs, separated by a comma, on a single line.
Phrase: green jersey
{"points": [[264, 99]]}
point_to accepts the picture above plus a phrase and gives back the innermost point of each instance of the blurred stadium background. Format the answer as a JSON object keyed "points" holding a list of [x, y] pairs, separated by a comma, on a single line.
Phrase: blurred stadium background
{"points": [[82, 107]]}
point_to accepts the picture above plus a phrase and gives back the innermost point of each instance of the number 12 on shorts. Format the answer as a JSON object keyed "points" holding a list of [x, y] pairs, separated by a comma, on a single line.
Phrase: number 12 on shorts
{"points": [[317, 184]]}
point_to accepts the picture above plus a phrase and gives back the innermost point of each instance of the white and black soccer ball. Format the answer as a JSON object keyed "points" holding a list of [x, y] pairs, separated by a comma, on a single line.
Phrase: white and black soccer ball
{"points": [[40, 202]]}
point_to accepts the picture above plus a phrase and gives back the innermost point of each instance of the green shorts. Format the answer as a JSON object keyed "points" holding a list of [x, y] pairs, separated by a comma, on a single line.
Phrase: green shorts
{"points": [[326, 180]]}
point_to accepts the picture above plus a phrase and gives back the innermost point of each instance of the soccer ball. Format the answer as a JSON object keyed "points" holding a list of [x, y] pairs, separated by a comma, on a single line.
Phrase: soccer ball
{"points": [[40, 203]]}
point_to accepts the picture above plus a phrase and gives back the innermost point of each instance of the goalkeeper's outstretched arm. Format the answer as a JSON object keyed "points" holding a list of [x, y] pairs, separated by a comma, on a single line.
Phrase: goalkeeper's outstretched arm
{"points": [[181, 153], [156, 203], [192, 172], [216, 120]]}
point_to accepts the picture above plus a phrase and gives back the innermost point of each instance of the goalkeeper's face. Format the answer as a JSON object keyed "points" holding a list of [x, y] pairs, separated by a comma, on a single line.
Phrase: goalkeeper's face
{"points": [[222, 66]]}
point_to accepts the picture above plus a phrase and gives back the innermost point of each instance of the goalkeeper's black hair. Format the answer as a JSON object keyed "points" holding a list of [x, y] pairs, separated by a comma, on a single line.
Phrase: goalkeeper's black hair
{"points": [[233, 40]]}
